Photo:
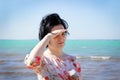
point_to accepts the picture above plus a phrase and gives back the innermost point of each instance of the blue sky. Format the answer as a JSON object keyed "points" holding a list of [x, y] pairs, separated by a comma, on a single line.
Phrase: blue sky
{"points": [[87, 19]]}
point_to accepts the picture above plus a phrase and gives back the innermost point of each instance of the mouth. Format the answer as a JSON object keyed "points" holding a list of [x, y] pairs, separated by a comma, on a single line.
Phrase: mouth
{"points": [[61, 43]]}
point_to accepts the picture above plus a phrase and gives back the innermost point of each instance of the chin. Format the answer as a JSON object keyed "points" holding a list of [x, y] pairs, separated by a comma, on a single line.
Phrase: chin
{"points": [[61, 46]]}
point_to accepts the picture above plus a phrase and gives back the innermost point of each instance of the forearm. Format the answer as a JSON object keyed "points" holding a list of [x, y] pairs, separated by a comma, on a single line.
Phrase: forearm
{"points": [[40, 47]]}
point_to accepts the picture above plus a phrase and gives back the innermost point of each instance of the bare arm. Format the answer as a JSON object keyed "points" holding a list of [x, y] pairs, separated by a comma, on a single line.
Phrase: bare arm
{"points": [[38, 50], [40, 47]]}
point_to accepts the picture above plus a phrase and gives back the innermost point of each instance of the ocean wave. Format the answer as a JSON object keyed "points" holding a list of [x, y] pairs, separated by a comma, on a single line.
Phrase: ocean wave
{"points": [[98, 57]]}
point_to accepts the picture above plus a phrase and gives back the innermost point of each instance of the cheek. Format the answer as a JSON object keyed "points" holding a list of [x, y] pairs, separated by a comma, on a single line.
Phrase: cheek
{"points": [[52, 41]]}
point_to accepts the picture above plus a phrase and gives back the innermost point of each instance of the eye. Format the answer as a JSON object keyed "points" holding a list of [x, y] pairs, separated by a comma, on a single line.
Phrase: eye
{"points": [[56, 36], [65, 33]]}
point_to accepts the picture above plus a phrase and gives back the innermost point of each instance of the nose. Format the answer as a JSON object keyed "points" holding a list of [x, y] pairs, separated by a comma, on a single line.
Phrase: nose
{"points": [[61, 37]]}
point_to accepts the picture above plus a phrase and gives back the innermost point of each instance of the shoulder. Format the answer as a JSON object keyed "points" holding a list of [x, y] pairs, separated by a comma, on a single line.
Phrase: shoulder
{"points": [[47, 57], [70, 57]]}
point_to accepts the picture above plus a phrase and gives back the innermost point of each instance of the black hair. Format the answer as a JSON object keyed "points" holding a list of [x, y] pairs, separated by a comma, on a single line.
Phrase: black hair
{"points": [[48, 22]]}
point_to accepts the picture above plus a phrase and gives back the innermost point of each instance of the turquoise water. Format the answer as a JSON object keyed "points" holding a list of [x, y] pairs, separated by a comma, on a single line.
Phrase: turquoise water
{"points": [[99, 59], [74, 47], [16, 46], [94, 47]]}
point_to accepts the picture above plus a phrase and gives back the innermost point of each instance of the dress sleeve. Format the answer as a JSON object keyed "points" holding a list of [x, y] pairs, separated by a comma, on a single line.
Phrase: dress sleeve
{"points": [[77, 66], [34, 64]]}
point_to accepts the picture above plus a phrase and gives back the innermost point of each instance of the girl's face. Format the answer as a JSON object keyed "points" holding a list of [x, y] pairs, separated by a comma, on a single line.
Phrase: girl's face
{"points": [[59, 40]]}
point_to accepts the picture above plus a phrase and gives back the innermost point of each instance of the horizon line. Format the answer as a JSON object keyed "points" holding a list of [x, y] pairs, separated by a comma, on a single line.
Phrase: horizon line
{"points": [[66, 39]]}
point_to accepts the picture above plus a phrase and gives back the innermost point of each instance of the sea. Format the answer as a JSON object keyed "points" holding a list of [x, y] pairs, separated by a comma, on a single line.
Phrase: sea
{"points": [[99, 59]]}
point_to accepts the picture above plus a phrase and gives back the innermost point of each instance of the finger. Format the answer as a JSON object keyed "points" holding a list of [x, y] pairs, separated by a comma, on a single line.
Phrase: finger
{"points": [[64, 30], [57, 32]]}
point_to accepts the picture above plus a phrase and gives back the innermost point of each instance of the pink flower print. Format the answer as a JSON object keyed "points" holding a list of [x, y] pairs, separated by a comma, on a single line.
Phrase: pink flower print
{"points": [[64, 64], [79, 69], [30, 67], [71, 59], [58, 67], [34, 64], [58, 59], [37, 59], [60, 75], [46, 78], [65, 73], [69, 77], [43, 64], [74, 64]]}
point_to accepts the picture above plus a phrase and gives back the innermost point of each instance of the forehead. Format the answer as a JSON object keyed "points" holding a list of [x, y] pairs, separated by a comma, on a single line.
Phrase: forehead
{"points": [[57, 27]]}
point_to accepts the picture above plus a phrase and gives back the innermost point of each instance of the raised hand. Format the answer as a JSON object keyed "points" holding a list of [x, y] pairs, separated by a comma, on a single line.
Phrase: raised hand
{"points": [[58, 32]]}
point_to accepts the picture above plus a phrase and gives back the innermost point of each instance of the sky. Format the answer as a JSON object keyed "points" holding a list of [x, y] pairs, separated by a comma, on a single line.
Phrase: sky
{"points": [[87, 19]]}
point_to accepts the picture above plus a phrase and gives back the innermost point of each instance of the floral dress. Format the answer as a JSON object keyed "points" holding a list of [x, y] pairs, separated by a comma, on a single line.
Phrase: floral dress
{"points": [[50, 67]]}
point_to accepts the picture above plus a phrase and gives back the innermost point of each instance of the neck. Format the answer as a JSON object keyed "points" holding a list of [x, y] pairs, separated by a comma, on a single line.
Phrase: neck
{"points": [[55, 51]]}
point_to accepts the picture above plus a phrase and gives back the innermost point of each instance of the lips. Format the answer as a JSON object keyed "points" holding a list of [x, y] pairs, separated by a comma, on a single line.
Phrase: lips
{"points": [[61, 43]]}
